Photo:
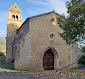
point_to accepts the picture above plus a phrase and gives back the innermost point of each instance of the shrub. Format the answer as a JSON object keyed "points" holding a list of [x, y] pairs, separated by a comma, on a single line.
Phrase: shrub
{"points": [[1, 54], [81, 61], [83, 50]]}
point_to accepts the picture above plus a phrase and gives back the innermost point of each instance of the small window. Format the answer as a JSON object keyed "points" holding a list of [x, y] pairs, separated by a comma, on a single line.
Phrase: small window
{"points": [[13, 17], [17, 31], [16, 18], [53, 19], [13, 45], [51, 36]]}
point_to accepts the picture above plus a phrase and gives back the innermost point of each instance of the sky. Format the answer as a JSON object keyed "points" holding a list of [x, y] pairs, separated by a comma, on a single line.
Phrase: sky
{"points": [[29, 8]]}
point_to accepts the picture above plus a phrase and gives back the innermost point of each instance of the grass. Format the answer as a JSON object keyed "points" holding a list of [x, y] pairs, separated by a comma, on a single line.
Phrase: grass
{"points": [[3, 63], [8, 66]]}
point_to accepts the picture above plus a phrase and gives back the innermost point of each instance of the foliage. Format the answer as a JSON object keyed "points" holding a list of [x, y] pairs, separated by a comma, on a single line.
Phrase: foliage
{"points": [[1, 54], [2, 58], [3, 45], [82, 60], [73, 26], [83, 49], [8, 66]]}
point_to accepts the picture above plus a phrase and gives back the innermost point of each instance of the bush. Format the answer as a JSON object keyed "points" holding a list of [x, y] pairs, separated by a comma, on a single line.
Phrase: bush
{"points": [[83, 49], [81, 61], [1, 54]]}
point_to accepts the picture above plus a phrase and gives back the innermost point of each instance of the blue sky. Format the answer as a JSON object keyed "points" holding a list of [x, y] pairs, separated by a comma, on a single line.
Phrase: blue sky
{"points": [[29, 8]]}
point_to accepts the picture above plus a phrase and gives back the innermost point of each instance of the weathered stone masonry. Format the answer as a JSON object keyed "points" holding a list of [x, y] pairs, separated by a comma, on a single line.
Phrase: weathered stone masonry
{"points": [[37, 35]]}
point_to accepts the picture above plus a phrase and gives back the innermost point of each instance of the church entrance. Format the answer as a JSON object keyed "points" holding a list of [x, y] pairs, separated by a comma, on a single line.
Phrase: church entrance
{"points": [[48, 60]]}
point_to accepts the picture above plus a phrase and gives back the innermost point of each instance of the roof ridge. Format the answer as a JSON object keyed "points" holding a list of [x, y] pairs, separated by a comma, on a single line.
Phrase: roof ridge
{"points": [[37, 16], [43, 14]]}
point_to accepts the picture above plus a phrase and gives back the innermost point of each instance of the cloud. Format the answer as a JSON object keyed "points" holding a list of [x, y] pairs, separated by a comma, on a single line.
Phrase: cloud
{"points": [[37, 2], [57, 5]]}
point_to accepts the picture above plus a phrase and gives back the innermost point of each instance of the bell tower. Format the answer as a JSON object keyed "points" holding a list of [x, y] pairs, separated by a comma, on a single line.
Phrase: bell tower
{"points": [[14, 20], [13, 23]]}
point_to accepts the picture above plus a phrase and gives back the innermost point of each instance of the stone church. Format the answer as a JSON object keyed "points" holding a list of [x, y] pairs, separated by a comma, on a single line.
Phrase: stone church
{"points": [[36, 44]]}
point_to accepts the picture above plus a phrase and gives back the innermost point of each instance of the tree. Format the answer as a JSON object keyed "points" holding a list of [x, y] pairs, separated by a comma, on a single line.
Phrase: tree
{"points": [[74, 25]]}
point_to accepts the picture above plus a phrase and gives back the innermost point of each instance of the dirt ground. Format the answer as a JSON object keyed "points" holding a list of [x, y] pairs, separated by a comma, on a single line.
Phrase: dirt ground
{"points": [[78, 74]]}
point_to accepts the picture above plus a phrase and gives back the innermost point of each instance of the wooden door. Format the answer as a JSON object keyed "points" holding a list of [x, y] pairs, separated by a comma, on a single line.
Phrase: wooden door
{"points": [[48, 60]]}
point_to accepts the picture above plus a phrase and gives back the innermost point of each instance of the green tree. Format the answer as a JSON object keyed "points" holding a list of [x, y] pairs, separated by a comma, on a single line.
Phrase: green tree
{"points": [[74, 25]]}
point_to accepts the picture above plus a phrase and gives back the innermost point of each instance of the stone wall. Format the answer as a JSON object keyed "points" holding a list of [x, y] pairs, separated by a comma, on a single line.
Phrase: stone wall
{"points": [[31, 47], [11, 34], [41, 28], [23, 51], [9, 54]]}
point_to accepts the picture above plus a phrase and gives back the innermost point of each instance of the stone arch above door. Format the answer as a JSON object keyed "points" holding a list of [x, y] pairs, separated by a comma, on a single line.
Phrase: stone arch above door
{"points": [[53, 50]]}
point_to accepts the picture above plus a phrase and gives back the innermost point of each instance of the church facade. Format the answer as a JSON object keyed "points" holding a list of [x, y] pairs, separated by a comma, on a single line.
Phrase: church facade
{"points": [[36, 43]]}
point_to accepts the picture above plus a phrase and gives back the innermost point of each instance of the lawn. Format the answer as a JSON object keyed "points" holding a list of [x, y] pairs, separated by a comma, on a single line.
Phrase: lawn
{"points": [[3, 63]]}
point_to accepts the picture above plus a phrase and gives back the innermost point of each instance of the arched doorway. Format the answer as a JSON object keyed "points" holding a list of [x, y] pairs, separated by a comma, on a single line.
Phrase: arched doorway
{"points": [[48, 60]]}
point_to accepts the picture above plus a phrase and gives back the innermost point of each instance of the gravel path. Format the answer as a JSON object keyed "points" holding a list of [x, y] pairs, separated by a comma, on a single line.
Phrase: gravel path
{"points": [[15, 74], [43, 75]]}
